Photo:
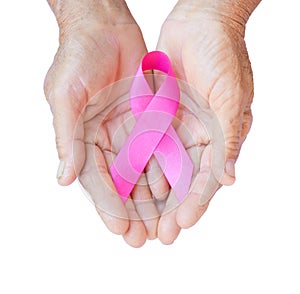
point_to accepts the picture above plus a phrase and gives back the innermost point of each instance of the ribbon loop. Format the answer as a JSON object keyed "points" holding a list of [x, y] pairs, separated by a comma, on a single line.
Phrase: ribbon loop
{"points": [[153, 132]]}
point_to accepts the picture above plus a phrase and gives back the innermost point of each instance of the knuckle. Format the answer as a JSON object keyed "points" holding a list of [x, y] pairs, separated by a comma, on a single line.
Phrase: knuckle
{"points": [[246, 126], [233, 145]]}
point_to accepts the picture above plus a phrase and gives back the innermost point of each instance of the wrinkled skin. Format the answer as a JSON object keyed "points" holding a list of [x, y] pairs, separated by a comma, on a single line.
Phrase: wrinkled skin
{"points": [[90, 57], [209, 53], [206, 52]]}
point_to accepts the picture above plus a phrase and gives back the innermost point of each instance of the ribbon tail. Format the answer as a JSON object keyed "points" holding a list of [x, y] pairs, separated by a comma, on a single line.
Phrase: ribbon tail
{"points": [[175, 163]]}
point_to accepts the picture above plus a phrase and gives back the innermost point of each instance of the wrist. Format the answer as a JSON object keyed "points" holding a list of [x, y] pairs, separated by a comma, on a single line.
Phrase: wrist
{"points": [[233, 12], [79, 13]]}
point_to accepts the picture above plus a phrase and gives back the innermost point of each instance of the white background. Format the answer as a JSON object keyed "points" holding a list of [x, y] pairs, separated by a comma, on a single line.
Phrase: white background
{"points": [[52, 240]]}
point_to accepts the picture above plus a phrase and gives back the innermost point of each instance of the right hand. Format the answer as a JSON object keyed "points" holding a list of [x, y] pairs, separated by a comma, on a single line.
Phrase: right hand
{"points": [[96, 49]]}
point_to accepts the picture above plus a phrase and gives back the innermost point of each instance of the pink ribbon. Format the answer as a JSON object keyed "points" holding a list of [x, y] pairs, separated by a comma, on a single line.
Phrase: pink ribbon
{"points": [[153, 132]]}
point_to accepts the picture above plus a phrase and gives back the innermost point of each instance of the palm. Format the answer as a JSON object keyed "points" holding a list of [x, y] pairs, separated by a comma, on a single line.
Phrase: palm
{"points": [[213, 60], [107, 122], [87, 61], [91, 58]]}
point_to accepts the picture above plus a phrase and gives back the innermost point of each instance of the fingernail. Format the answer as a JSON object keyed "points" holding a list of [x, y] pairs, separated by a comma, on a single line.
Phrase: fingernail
{"points": [[60, 170], [229, 168]]}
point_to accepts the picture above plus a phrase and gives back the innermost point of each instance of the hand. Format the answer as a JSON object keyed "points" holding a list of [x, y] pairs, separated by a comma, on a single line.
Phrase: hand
{"points": [[99, 44], [207, 50]]}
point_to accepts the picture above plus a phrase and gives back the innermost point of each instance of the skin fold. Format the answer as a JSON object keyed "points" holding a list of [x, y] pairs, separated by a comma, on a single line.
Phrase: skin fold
{"points": [[99, 44]]}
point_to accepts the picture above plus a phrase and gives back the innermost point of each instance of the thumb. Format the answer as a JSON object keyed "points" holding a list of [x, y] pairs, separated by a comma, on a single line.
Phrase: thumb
{"points": [[229, 111], [68, 125], [231, 125]]}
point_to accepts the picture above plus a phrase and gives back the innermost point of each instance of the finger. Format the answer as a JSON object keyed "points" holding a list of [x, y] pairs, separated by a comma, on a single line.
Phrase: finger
{"points": [[145, 206], [64, 98], [157, 182], [247, 122], [96, 180], [190, 211], [168, 229], [227, 101], [231, 123], [227, 91], [202, 190], [136, 235]]}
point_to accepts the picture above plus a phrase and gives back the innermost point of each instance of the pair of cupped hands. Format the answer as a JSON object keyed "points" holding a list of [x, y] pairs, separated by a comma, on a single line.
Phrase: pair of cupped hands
{"points": [[100, 43]]}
